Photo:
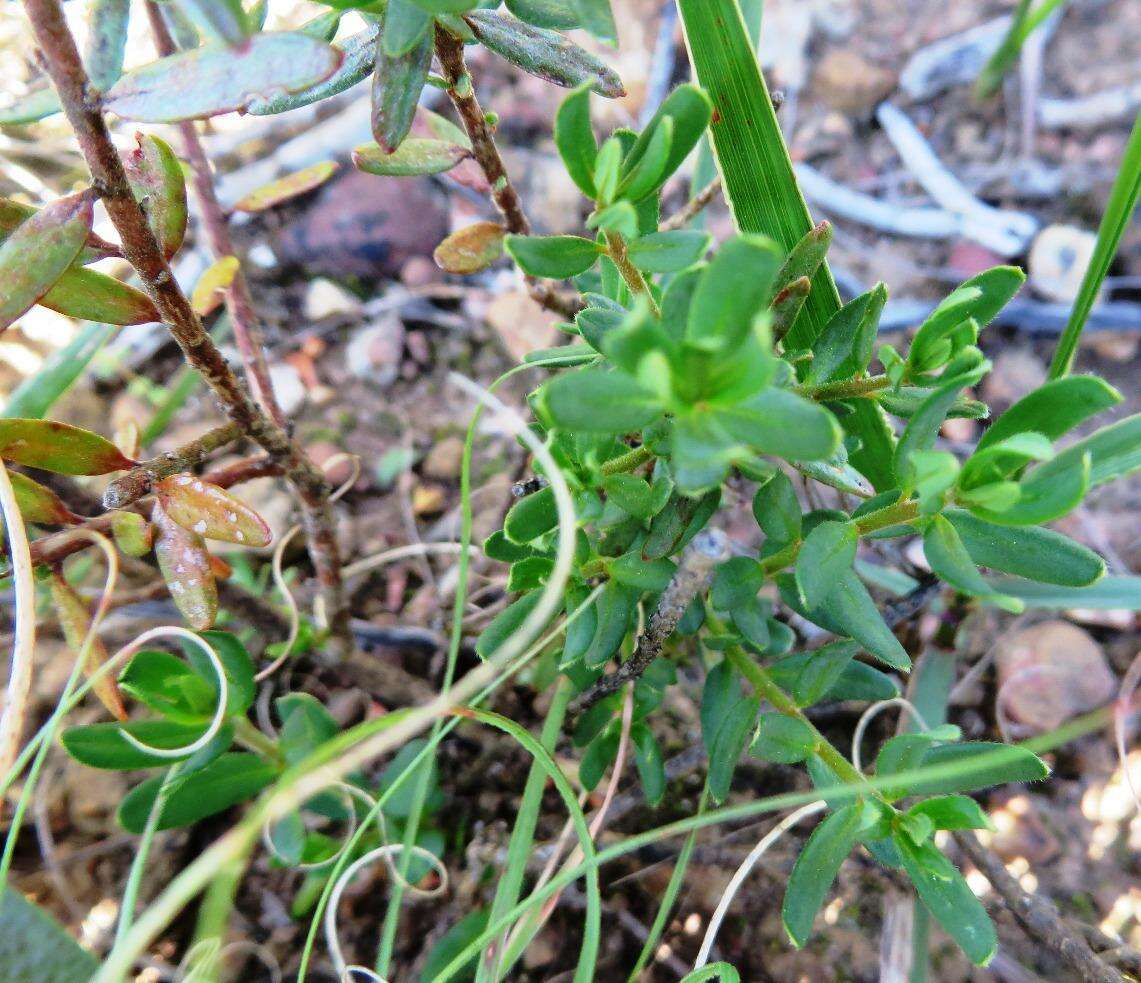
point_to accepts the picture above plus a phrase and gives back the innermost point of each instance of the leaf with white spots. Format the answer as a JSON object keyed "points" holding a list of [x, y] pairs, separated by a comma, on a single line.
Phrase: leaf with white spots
{"points": [[75, 620], [210, 511], [185, 567]]}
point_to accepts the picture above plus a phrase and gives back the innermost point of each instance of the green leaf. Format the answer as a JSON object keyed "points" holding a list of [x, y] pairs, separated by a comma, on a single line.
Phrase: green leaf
{"points": [[649, 173], [1053, 409], [574, 138], [785, 740], [999, 764], [169, 686], [529, 573], [38, 393], [218, 20], [750, 148], [816, 868], [597, 18], [396, 86], [35, 947], [544, 53], [923, 427], [689, 111], [654, 575], [415, 157], [1038, 554], [614, 610], [1108, 594], [89, 295], [554, 257], [233, 778], [557, 15], [600, 754], [358, 57], [155, 176], [727, 735], [1118, 214], [39, 251], [858, 681], [401, 800], [460, 936], [822, 672], [36, 105], [650, 764], [216, 78], [59, 447], [781, 423], [445, 6], [102, 745], [305, 726], [731, 293], [505, 624], [736, 581], [630, 493], [844, 347], [947, 896], [777, 510], [825, 557], [668, 252], [39, 505], [573, 400], [682, 519], [406, 24], [1046, 493], [531, 516], [1114, 451], [951, 562], [237, 666], [952, 812]]}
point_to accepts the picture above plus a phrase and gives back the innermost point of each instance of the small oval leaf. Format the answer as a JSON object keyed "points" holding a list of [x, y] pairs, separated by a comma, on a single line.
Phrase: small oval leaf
{"points": [[185, 567], [75, 620], [40, 505], [471, 249], [414, 157], [39, 252], [210, 511], [156, 179], [211, 286], [284, 188], [59, 447], [93, 296], [216, 78]]}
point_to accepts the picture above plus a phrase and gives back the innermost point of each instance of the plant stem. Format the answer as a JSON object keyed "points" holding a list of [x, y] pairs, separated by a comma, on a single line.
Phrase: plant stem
{"points": [[702, 200], [846, 389], [247, 734], [694, 573], [142, 250], [239, 302], [139, 480], [616, 246], [461, 90]]}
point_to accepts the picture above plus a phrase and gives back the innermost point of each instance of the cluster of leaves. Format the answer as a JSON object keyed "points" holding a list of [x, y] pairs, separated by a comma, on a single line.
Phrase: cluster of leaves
{"points": [[682, 376]]}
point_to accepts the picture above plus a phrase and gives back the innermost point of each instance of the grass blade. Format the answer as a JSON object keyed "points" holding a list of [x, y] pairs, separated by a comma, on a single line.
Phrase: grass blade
{"points": [[35, 396], [1118, 215], [760, 186]]}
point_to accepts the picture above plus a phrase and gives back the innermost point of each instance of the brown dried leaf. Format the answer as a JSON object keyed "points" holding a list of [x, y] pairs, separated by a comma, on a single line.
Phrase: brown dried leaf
{"points": [[471, 249], [210, 511], [284, 188], [75, 620]]}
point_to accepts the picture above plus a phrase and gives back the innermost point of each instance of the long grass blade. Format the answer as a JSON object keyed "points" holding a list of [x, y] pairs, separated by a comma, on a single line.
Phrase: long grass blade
{"points": [[1118, 214], [761, 188]]}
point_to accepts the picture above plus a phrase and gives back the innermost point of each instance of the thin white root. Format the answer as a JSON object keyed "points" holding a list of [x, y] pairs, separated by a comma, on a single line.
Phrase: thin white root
{"points": [[875, 710], [1122, 710], [24, 645], [743, 871]]}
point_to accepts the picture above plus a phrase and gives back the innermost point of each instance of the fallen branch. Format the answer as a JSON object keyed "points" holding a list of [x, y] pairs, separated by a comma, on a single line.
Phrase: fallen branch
{"points": [[693, 576]]}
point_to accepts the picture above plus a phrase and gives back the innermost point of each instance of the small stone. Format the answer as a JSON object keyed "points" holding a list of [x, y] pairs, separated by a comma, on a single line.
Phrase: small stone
{"points": [[1049, 673], [288, 387], [375, 350], [1058, 261], [445, 459], [428, 499], [850, 83], [324, 298], [968, 258], [521, 323], [419, 271]]}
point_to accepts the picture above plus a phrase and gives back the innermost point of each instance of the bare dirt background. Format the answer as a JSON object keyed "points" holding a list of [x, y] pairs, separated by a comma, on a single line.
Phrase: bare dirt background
{"points": [[363, 329]]}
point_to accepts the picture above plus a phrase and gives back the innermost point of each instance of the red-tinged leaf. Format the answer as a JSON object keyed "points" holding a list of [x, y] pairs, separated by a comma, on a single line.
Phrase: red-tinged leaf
{"points": [[211, 286], [75, 620], [412, 158], [216, 78], [39, 505], [59, 447], [471, 249], [284, 188], [210, 511], [93, 296], [133, 534], [13, 212], [156, 179], [185, 566], [220, 568], [39, 251]]}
